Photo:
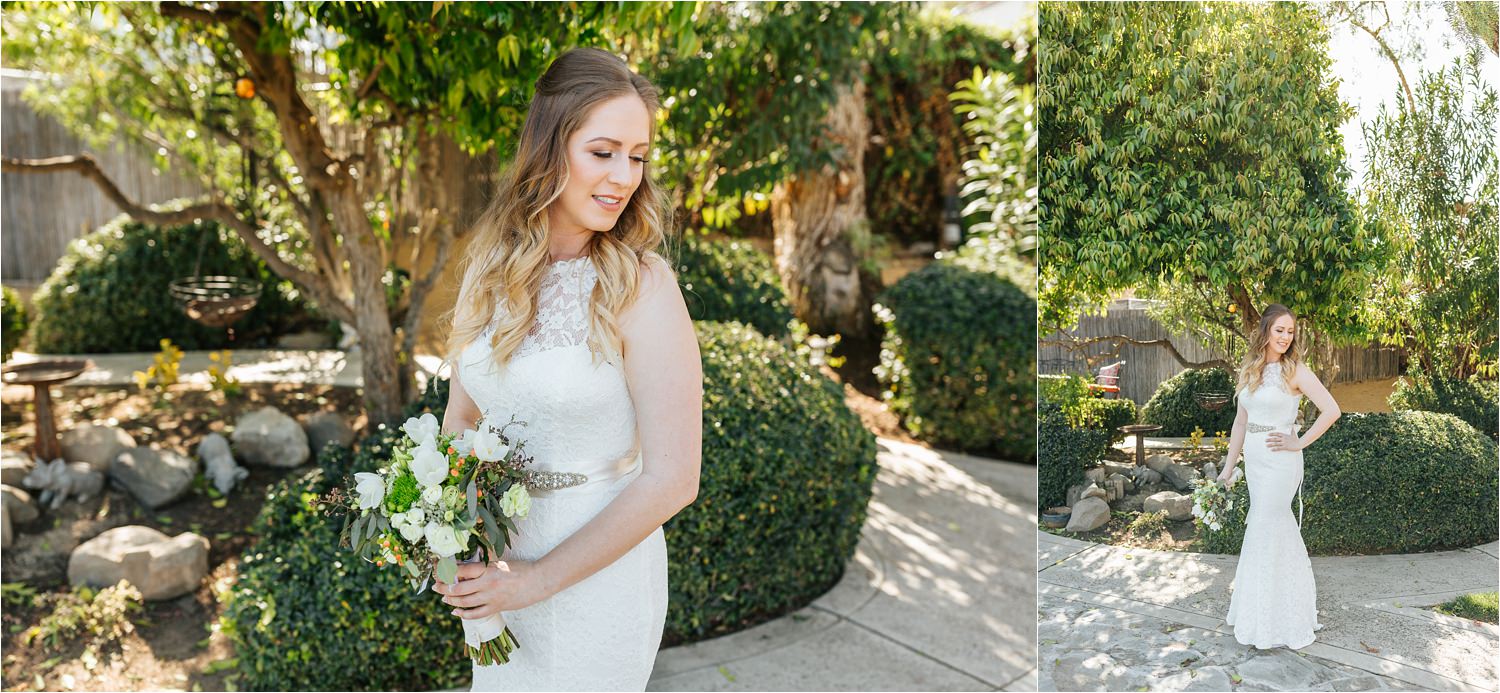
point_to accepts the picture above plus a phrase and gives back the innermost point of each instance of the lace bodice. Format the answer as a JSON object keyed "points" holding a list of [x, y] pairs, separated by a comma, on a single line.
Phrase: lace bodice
{"points": [[577, 410], [1271, 403]]}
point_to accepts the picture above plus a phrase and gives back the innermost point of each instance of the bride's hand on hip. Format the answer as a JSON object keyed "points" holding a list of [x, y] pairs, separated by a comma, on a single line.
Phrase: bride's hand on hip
{"points": [[1282, 442], [483, 589]]}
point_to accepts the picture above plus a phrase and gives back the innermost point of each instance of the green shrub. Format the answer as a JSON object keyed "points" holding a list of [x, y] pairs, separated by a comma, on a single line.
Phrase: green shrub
{"points": [[1475, 400], [732, 281], [109, 291], [1083, 408], [1177, 411], [958, 359], [1109, 415], [1391, 483], [787, 473], [13, 322], [1063, 453]]}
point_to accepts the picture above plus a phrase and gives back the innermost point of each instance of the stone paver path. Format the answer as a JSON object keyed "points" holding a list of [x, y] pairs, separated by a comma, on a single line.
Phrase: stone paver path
{"points": [[1115, 618]]}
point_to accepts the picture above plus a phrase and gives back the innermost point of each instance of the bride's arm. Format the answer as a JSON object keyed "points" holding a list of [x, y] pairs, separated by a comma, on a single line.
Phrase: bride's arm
{"points": [[1236, 442], [462, 412], [664, 373], [1328, 408]]}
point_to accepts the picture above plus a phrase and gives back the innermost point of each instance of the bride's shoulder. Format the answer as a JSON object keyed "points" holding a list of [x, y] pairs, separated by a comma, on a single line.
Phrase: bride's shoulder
{"points": [[658, 290]]}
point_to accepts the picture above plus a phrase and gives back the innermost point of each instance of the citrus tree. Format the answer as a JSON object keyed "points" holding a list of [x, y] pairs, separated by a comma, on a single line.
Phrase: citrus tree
{"points": [[1193, 150]]}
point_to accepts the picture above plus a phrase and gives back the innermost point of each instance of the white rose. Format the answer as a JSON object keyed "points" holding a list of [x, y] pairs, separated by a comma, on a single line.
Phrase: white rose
{"points": [[516, 502], [371, 490], [428, 465], [423, 430], [432, 495], [487, 446], [444, 540], [411, 531], [464, 443]]}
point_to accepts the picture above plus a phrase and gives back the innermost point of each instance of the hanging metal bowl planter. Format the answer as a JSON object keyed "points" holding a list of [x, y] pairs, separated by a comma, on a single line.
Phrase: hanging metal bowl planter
{"points": [[215, 300]]}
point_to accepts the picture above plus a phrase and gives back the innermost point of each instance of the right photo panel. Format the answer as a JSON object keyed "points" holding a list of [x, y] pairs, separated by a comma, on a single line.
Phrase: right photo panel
{"points": [[1267, 305]]}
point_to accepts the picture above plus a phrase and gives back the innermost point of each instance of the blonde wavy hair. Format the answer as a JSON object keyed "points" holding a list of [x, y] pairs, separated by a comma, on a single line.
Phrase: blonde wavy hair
{"points": [[1254, 363], [509, 253]]}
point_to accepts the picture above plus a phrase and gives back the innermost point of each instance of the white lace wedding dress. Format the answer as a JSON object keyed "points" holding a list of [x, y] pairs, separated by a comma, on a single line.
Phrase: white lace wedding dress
{"points": [[602, 633], [1274, 599]]}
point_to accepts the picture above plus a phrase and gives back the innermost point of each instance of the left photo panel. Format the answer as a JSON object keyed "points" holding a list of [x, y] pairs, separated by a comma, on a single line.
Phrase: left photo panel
{"points": [[519, 346]]}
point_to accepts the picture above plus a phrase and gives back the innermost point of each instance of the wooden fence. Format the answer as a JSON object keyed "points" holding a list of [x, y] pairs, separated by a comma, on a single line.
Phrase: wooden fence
{"points": [[41, 213], [1147, 366]]}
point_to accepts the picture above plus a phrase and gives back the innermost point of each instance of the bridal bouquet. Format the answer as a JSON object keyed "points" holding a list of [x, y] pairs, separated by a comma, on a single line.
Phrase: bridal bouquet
{"points": [[440, 495], [1212, 502]]}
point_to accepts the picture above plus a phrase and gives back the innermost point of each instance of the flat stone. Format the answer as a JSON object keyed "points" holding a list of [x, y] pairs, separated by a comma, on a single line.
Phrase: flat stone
{"points": [[270, 438], [1278, 670], [14, 466], [19, 504], [1365, 682], [325, 427], [99, 446], [1086, 670], [1176, 505], [1209, 678], [1089, 514], [1157, 462], [1179, 476], [161, 567], [1095, 492], [155, 477], [1113, 468]]}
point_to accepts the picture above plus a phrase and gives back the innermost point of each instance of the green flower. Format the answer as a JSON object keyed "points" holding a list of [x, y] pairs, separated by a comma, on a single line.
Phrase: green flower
{"points": [[403, 493]]}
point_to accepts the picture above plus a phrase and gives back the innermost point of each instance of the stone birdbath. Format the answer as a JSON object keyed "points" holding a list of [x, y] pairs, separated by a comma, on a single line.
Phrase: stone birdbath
{"points": [[42, 375], [1140, 431]]}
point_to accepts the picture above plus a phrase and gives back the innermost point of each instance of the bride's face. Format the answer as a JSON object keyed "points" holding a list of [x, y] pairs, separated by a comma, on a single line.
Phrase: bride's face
{"points": [[1283, 331], [606, 161]]}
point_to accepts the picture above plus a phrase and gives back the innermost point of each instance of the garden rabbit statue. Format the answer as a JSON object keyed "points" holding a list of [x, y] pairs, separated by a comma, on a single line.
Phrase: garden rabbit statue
{"points": [[59, 479], [218, 463]]}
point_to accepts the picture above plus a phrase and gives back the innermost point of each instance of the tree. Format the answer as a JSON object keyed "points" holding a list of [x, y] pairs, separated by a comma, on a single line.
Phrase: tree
{"points": [[344, 150], [1432, 179], [1193, 150]]}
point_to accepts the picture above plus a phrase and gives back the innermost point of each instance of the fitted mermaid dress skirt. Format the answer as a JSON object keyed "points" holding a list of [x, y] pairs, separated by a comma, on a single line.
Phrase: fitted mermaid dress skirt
{"points": [[1274, 599], [602, 633]]}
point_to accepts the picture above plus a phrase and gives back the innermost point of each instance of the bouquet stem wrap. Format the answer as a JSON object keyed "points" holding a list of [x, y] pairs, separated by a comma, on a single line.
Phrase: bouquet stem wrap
{"points": [[488, 640]]}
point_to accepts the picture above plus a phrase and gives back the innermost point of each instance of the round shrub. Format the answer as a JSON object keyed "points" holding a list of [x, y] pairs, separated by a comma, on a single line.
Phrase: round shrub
{"points": [[1392, 483], [1108, 415], [1175, 408], [1475, 400], [958, 359], [12, 322], [731, 280], [1063, 453], [109, 291], [308, 615]]}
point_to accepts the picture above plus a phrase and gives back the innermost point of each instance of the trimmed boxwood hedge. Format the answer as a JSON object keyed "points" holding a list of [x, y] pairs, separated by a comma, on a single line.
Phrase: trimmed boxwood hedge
{"points": [[12, 322], [109, 291], [958, 359], [1391, 483], [1108, 415], [1174, 408], [731, 280], [1475, 400], [1063, 453], [787, 474]]}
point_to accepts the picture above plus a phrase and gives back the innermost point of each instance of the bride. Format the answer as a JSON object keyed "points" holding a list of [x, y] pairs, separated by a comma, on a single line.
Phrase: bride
{"points": [[568, 321], [1273, 602]]}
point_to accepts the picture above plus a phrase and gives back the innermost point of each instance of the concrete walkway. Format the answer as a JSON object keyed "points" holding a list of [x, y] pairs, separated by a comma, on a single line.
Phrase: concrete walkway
{"points": [[940, 594], [1115, 618]]}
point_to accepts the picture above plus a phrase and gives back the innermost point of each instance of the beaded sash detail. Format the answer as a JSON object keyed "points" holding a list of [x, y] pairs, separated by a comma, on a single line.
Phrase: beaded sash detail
{"points": [[1261, 428], [552, 481]]}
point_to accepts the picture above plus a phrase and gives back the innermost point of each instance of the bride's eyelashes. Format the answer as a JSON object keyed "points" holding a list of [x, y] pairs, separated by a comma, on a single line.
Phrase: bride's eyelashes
{"points": [[611, 155]]}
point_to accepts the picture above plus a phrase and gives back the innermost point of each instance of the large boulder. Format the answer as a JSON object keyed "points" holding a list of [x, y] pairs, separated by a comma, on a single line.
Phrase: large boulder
{"points": [[1176, 505], [96, 445], [161, 567], [270, 438], [14, 466], [1158, 462], [327, 426], [19, 504], [1088, 515], [1181, 477], [155, 477]]}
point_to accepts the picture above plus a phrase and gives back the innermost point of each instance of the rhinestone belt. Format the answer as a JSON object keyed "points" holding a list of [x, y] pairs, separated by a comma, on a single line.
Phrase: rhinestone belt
{"points": [[552, 481], [1263, 428]]}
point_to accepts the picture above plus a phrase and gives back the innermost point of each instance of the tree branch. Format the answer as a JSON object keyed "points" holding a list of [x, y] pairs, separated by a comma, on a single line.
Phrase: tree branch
{"points": [[1119, 340], [85, 165], [1374, 33]]}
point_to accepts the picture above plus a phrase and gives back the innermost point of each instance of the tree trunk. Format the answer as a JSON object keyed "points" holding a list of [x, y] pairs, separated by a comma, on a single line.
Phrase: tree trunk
{"points": [[814, 213]]}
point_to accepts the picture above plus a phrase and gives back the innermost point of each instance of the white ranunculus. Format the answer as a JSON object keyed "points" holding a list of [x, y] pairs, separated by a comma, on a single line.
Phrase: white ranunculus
{"points": [[432, 495], [516, 502], [464, 443], [412, 531], [428, 465], [487, 446], [371, 490], [415, 516], [444, 540], [422, 430]]}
